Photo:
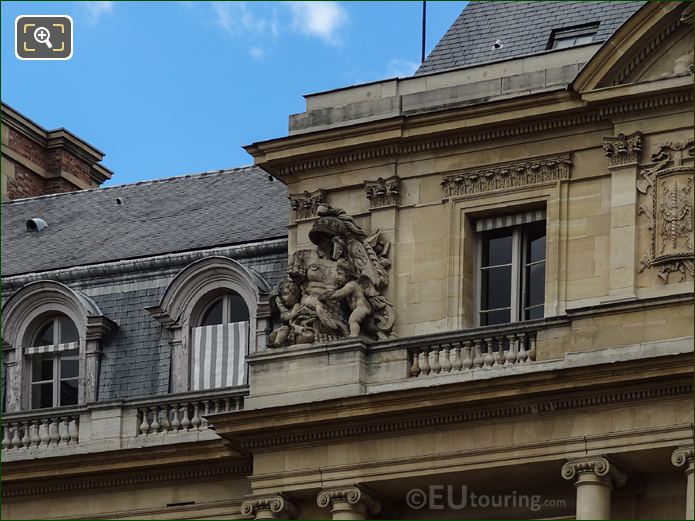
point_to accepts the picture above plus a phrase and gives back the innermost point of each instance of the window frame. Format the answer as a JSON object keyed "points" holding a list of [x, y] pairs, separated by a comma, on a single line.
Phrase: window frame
{"points": [[519, 282], [574, 33]]}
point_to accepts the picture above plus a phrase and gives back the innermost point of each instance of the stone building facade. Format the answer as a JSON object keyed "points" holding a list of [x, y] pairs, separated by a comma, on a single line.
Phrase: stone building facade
{"points": [[481, 307]]}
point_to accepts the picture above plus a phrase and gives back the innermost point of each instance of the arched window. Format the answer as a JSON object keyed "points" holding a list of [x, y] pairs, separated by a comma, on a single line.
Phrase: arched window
{"points": [[53, 362], [220, 342]]}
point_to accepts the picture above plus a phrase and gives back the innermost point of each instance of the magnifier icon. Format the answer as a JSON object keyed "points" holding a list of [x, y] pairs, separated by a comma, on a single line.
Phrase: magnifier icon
{"points": [[43, 35]]}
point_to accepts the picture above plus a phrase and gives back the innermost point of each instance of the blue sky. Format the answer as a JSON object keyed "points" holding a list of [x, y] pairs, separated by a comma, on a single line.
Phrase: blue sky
{"points": [[169, 88]]}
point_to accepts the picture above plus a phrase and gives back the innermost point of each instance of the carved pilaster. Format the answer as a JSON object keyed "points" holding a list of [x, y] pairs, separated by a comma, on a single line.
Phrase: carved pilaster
{"points": [[274, 506], [348, 502], [383, 192], [594, 478], [542, 170], [306, 204], [623, 150]]}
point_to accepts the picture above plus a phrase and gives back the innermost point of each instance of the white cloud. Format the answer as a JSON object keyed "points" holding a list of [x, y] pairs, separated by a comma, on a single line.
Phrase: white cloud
{"points": [[93, 11], [256, 53], [238, 18], [401, 68], [320, 19]]}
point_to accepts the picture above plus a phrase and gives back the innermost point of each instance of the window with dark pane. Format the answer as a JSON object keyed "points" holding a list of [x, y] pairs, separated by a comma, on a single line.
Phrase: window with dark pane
{"points": [[228, 308], [213, 315], [496, 277], [534, 270], [239, 311]]}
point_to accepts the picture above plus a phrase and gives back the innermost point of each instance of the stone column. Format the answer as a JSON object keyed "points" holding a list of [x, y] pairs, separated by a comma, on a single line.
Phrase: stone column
{"points": [[594, 480], [683, 457], [271, 506], [348, 502]]}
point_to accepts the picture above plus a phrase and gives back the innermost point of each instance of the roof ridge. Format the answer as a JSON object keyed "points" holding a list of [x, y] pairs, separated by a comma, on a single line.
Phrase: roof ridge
{"points": [[137, 183]]}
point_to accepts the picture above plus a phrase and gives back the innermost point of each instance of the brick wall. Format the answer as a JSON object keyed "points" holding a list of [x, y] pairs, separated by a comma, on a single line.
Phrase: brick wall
{"points": [[25, 184], [26, 147]]}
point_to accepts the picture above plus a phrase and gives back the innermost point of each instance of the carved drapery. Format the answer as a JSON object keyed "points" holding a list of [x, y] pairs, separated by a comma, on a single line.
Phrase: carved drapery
{"points": [[337, 289], [623, 150], [383, 192], [666, 189], [305, 205], [507, 176]]}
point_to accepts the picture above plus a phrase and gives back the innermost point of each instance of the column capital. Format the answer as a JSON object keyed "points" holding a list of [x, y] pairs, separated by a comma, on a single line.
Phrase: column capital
{"points": [[599, 466], [683, 456], [271, 506], [354, 497], [622, 150]]}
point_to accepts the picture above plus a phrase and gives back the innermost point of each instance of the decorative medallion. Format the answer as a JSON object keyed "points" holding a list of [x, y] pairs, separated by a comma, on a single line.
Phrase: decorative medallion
{"points": [[667, 189]]}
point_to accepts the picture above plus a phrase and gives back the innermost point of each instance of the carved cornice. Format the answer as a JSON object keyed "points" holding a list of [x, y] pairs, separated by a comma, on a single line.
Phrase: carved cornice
{"points": [[683, 456], [355, 496], [273, 506], [64, 485], [623, 150], [638, 105], [597, 465], [383, 192], [511, 175], [305, 205], [486, 413]]}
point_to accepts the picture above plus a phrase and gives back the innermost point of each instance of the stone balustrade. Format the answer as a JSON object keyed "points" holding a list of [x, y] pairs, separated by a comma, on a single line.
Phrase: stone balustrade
{"points": [[185, 411], [41, 429], [482, 348]]}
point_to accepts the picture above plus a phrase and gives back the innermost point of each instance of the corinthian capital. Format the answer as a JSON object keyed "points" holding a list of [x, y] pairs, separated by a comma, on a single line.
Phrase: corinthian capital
{"points": [[349, 498], [274, 506], [596, 465], [683, 456]]}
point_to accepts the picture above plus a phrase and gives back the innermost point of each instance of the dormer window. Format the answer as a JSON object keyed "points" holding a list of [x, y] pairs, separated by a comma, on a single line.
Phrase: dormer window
{"points": [[572, 36]]}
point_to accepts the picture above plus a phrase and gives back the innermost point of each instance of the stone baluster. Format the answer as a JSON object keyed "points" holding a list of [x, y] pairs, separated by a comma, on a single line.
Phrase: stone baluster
{"points": [[166, 424], [532, 347], [594, 478], [64, 431], [16, 440], [155, 425], [195, 421], [457, 363], [434, 360], [500, 359], [55, 431], [488, 359], [445, 358], [683, 457], [425, 361], [206, 411], [35, 438], [145, 425], [227, 404], [511, 352], [477, 354], [45, 432], [6, 441], [216, 403], [185, 421], [74, 429], [175, 422], [238, 403], [467, 358], [523, 354], [415, 366], [26, 438]]}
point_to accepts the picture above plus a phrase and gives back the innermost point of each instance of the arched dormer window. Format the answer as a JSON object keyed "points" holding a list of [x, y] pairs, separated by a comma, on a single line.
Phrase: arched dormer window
{"points": [[216, 311], [53, 362], [53, 342]]}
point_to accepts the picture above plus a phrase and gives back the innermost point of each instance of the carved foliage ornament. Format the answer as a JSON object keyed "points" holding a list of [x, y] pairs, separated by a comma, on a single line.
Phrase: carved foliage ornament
{"points": [[667, 189], [508, 176], [622, 149], [335, 290], [383, 192], [305, 205]]}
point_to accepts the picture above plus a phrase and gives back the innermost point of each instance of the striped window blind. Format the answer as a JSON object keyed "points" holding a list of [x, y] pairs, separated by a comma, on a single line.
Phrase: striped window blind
{"points": [[37, 350], [219, 355], [493, 223]]}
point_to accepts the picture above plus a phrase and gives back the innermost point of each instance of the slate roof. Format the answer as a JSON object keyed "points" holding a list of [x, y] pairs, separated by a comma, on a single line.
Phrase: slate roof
{"points": [[183, 213], [523, 27]]}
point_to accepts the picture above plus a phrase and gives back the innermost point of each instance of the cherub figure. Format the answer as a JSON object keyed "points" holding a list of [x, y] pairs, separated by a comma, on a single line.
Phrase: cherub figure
{"points": [[350, 289], [288, 303]]}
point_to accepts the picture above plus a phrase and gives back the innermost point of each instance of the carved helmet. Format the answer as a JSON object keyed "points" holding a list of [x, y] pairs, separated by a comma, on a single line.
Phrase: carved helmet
{"points": [[327, 227]]}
